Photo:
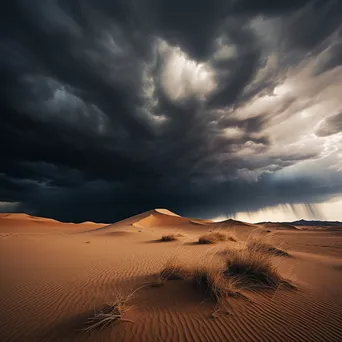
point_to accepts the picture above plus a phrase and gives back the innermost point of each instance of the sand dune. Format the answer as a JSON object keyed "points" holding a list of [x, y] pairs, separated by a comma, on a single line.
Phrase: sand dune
{"points": [[25, 218], [234, 226], [24, 223], [237, 224], [53, 282], [156, 218], [278, 226], [165, 218]]}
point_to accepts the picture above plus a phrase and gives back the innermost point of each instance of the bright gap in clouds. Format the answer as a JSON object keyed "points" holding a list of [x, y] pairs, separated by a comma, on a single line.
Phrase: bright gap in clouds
{"points": [[183, 77], [329, 211], [8, 207]]}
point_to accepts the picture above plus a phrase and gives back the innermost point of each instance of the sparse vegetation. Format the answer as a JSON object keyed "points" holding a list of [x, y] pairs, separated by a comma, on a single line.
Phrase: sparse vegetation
{"points": [[252, 269], [248, 268], [214, 237], [170, 237], [172, 270], [214, 284], [258, 243], [111, 313], [265, 247]]}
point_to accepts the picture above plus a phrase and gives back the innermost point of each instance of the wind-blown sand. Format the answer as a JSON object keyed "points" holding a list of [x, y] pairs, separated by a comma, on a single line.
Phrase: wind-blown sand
{"points": [[54, 274]]}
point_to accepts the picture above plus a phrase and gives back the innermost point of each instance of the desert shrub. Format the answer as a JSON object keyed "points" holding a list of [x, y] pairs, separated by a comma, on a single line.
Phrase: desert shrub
{"points": [[251, 269], [111, 313], [265, 247], [170, 237], [214, 284], [174, 270], [214, 237], [260, 243]]}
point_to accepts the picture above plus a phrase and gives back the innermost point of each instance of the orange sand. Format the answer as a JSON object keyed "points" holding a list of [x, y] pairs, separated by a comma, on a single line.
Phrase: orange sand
{"points": [[53, 274]]}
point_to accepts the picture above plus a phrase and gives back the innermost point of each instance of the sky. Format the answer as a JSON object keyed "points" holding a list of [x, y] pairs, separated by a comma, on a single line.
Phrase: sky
{"points": [[212, 109], [326, 211]]}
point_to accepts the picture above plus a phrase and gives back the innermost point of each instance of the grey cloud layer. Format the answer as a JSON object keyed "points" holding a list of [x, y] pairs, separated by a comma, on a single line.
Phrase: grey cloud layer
{"points": [[113, 107], [331, 125]]}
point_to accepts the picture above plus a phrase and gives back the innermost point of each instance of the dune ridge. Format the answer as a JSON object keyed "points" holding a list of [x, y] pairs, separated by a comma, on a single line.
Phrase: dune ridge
{"points": [[21, 223], [155, 218], [278, 225], [164, 218]]}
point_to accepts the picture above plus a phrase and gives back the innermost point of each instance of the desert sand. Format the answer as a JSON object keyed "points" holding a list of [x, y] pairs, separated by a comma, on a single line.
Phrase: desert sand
{"points": [[54, 275]]}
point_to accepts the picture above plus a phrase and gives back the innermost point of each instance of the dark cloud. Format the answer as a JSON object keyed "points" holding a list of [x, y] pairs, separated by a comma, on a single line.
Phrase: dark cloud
{"points": [[190, 24], [268, 7], [114, 107], [235, 74], [331, 125], [332, 57], [310, 26]]}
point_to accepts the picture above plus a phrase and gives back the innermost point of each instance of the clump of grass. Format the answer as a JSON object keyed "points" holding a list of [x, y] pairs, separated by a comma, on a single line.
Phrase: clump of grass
{"points": [[252, 269], [258, 243], [214, 237], [170, 237], [111, 313], [213, 283], [173, 270], [265, 247]]}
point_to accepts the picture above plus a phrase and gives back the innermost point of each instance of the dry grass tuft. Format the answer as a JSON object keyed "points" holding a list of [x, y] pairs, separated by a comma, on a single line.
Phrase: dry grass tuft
{"points": [[259, 243], [214, 237], [265, 247], [111, 313], [214, 284], [252, 269], [174, 270], [170, 237]]}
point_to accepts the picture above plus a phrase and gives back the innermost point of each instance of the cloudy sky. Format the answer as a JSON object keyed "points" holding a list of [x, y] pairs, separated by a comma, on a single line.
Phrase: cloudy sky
{"points": [[210, 108]]}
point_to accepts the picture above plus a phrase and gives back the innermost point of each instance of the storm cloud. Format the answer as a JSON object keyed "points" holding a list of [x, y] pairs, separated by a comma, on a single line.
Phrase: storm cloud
{"points": [[331, 125], [110, 108]]}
